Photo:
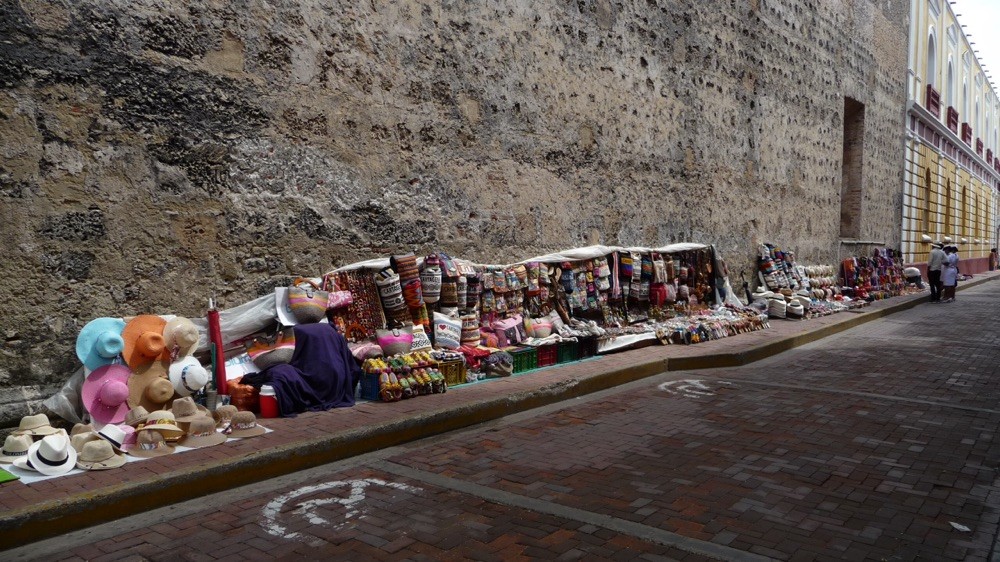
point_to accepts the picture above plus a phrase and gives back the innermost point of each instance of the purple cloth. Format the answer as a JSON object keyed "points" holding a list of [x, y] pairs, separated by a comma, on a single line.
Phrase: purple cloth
{"points": [[321, 375]]}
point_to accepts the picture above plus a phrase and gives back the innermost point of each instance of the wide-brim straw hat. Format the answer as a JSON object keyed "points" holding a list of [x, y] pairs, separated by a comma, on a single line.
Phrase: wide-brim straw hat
{"points": [[144, 343], [186, 410], [37, 424], [181, 334], [100, 342], [202, 433], [244, 424], [99, 455], [105, 393], [188, 376], [164, 422], [150, 444], [14, 447], [146, 389]]}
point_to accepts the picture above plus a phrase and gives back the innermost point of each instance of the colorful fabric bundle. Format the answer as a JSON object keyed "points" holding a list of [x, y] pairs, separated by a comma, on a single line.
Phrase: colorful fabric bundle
{"points": [[421, 317]]}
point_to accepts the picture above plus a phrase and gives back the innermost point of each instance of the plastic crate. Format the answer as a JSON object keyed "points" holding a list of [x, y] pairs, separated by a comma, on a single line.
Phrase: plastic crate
{"points": [[547, 355], [588, 347], [567, 351], [453, 371], [525, 358], [369, 387]]}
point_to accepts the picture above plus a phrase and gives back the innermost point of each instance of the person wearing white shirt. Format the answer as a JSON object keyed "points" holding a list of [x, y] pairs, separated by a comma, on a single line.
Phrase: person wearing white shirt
{"points": [[934, 263]]}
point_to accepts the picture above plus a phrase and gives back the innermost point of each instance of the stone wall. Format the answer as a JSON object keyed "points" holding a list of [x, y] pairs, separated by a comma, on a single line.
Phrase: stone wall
{"points": [[153, 154]]}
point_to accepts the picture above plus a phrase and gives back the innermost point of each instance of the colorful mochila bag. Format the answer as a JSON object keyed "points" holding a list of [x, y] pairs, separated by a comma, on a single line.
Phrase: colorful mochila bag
{"points": [[308, 303]]}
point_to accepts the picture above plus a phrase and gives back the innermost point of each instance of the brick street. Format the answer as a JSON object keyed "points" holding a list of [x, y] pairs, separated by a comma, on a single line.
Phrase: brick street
{"points": [[878, 443]]}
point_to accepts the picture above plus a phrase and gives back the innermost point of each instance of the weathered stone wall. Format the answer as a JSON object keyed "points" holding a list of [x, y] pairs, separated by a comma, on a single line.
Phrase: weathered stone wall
{"points": [[153, 154]]}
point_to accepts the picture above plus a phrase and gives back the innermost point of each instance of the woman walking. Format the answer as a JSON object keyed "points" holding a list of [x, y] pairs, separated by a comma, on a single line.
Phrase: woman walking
{"points": [[949, 273]]}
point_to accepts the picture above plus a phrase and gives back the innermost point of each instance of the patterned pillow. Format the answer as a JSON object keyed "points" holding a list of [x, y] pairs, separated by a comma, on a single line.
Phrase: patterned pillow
{"points": [[447, 331]]}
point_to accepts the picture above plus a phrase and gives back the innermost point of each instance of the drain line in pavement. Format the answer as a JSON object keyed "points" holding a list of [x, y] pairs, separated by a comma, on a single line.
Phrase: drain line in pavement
{"points": [[638, 530]]}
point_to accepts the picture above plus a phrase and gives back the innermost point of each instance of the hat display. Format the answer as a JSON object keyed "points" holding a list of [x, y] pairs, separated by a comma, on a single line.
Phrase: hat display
{"points": [[135, 416], [244, 424], [144, 343], [150, 444], [99, 455], [795, 309], [37, 424], [202, 433], [185, 409], [80, 439], [937, 244], [181, 334], [14, 447], [100, 342], [113, 434], [51, 456], [148, 386], [188, 376], [105, 393], [164, 422], [224, 414]]}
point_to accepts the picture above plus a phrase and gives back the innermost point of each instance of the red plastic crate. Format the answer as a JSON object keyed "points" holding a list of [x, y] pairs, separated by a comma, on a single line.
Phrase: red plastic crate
{"points": [[547, 355]]}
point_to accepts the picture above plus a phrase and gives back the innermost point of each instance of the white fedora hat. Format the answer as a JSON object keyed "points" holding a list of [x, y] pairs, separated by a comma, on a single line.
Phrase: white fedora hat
{"points": [[51, 456]]}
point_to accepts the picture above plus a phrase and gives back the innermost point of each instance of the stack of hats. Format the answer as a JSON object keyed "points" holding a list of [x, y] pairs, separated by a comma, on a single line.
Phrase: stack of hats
{"points": [[776, 307], [794, 309]]}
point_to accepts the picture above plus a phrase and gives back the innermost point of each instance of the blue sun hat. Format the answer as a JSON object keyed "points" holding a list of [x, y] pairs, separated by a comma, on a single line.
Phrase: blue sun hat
{"points": [[100, 342]]}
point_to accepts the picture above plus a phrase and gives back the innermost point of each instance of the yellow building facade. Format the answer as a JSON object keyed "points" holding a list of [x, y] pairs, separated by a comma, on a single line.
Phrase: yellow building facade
{"points": [[952, 168]]}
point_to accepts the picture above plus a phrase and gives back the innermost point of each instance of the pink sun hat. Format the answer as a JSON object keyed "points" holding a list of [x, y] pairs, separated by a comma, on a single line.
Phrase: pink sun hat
{"points": [[105, 393]]}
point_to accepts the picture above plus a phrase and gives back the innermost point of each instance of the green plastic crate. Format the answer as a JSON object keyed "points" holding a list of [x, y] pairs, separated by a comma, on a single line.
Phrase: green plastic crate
{"points": [[525, 358]]}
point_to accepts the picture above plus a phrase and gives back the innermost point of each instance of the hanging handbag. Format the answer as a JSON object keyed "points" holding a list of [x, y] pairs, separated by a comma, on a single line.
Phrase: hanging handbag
{"points": [[338, 298], [308, 303]]}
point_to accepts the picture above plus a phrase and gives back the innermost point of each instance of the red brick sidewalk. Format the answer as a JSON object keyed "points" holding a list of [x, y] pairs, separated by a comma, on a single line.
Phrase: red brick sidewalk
{"points": [[59, 505]]}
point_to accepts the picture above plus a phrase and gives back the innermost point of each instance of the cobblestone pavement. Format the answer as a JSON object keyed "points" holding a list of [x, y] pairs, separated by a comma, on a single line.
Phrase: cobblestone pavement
{"points": [[878, 443]]}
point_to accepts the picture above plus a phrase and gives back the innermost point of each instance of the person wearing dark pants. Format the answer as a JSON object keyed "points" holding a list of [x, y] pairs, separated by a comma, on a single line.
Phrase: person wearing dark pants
{"points": [[934, 263]]}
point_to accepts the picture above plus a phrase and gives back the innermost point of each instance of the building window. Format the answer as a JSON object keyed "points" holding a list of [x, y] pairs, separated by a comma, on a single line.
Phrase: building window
{"points": [[925, 218], [931, 60], [853, 164], [948, 214], [951, 84]]}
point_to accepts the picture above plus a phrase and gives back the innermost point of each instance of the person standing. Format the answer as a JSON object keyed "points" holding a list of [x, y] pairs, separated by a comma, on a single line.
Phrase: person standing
{"points": [[949, 274], [934, 263]]}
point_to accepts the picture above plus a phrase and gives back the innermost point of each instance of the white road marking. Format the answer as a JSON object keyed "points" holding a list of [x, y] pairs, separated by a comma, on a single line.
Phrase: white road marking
{"points": [[308, 509]]}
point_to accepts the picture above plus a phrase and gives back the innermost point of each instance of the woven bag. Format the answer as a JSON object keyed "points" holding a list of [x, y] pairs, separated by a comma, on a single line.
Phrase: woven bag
{"points": [[308, 303]]}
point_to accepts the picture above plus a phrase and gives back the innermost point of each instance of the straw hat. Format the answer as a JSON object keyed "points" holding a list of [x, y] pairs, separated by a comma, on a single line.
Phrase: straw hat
{"points": [[181, 334], [51, 456], [148, 386], [99, 455], [164, 422], [37, 424], [80, 439], [187, 376], [79, 428], [795, 309], [100, 341], [185, 409], [224, 414], [105, 393], [14, 447], [150, 443], [136, 416], [115, 435], [244, 424], [202, 433], [144, 343]]}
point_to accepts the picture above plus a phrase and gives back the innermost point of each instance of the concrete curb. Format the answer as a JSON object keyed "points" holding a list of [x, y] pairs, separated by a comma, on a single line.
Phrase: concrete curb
{"points": [[85, 509]]}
